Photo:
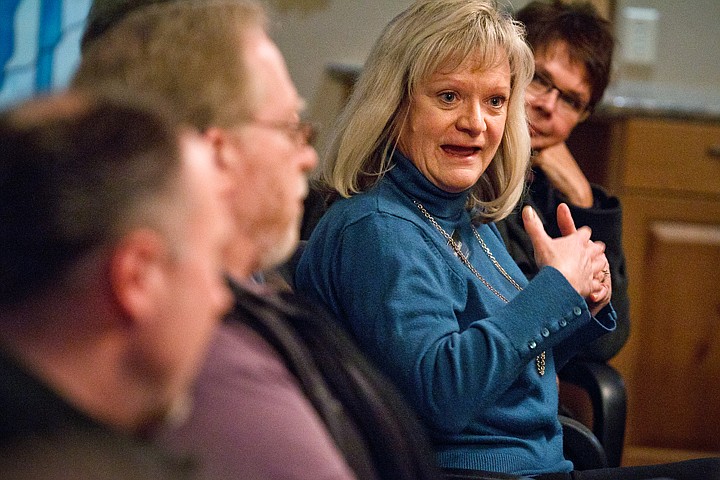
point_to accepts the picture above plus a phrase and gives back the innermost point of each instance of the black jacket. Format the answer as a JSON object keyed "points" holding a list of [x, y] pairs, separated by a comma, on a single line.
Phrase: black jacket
{"points": [[377, 433]]}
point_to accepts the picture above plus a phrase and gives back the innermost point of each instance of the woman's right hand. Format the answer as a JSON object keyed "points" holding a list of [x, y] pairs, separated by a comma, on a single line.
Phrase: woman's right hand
{"points": [[580, 260]]}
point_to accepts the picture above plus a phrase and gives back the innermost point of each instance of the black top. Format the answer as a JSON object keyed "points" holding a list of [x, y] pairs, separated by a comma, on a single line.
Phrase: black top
{"points": [[42, 436]]}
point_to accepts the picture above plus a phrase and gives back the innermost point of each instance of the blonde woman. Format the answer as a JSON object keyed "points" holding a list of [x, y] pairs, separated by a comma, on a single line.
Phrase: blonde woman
{"points": [[431, 150]]}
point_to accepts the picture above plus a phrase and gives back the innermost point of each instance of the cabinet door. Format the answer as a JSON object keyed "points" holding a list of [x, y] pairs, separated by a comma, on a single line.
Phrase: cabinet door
{"points": [[672, 361], [672, 156]]}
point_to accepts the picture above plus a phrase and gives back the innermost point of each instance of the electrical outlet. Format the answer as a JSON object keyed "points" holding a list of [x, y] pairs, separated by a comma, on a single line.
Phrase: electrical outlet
{"points": [[639, 35]]}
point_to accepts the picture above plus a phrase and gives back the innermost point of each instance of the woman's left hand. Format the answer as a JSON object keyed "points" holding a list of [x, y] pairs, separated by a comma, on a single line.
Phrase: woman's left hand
{"points": [[602, 286], [565, 174]]}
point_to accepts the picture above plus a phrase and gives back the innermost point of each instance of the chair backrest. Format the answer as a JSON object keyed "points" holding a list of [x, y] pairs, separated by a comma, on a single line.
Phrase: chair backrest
{"points": [[607, 392]]}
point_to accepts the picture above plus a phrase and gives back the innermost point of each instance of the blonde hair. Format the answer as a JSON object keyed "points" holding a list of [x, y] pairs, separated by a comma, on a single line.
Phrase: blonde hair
{"points": [[188, 52], [427, 35]]}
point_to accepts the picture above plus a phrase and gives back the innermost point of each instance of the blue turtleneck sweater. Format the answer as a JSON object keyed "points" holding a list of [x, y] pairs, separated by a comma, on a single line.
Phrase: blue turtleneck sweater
{"points": [[462, 356]]}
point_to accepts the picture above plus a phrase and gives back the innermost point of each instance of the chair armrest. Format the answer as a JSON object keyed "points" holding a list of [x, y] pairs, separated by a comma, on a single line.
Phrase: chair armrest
{"points": [[607, 393], [581, 446]]}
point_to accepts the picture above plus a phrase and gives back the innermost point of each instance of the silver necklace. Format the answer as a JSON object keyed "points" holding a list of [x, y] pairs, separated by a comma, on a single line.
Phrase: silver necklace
{"points": [[540, 359]]}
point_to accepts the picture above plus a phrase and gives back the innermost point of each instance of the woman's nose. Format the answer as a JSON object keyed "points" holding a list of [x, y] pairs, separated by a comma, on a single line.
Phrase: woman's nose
{"points": [[472, 120]]}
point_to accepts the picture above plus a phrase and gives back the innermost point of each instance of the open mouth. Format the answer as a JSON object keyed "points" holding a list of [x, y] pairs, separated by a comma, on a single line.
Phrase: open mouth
{"points": [[460, 151]]}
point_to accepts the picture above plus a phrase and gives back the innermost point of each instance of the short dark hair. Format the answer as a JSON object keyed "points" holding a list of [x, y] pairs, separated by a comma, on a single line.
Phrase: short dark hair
{"points": [[587, 34], [75, 171]]}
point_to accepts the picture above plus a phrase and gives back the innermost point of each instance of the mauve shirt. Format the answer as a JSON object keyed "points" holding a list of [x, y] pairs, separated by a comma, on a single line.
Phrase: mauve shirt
{"points": [[250, 418]]}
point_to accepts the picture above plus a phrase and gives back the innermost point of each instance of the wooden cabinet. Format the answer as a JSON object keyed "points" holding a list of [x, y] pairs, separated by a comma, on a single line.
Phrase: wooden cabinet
{"points": [[667, 174]]}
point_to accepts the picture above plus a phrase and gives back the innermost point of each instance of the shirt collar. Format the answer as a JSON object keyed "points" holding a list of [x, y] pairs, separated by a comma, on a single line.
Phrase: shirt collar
{"points": [[406, 176]]}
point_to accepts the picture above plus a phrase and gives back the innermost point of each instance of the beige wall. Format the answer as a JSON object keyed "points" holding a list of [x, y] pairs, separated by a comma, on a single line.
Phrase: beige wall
{"points": [[688, 43], [313, 33]]}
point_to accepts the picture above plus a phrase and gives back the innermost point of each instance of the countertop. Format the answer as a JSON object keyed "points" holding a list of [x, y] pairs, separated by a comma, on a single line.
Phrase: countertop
{"points": [[638, 99]]}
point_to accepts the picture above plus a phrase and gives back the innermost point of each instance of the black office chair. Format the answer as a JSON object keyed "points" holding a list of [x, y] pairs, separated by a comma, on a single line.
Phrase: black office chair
{"points": [[581, 446], [607, 394]]}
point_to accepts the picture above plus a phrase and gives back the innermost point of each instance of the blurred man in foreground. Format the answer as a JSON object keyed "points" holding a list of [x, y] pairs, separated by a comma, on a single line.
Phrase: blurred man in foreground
{"points": [[114, 223]]}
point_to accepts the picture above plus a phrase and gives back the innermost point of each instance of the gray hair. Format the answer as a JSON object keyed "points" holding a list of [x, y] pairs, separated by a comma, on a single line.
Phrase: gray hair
{"points": [[187, 52]]}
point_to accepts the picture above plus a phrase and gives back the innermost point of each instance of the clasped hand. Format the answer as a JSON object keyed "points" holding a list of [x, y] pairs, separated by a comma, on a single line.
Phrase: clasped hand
{"points": [[581, 261]]}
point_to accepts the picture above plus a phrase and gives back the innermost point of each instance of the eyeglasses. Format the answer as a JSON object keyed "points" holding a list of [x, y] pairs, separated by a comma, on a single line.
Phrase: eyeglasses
{"points": [[301, 133], [568, 103]]}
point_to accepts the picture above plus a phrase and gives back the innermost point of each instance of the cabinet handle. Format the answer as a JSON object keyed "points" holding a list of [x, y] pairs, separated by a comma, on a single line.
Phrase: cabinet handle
{"points": [[714, 151]]}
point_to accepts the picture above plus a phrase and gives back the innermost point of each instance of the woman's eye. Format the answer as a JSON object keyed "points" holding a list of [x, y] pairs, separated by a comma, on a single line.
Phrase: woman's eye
{"points": [[497, 101], [448, 97]]}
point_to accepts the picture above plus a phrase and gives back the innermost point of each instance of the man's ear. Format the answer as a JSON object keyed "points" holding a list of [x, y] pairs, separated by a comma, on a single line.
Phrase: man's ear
{"points": [[224, 155], [138, 267]]}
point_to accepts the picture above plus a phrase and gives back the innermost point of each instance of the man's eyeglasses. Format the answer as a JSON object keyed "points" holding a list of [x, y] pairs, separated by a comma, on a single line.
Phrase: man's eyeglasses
{"points": [[301, 133], [568, 103]]}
